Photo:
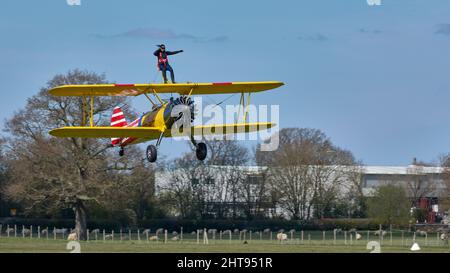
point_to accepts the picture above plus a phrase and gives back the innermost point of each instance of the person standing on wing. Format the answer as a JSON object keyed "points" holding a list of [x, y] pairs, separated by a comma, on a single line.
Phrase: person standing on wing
{"points": [[163, 61]]}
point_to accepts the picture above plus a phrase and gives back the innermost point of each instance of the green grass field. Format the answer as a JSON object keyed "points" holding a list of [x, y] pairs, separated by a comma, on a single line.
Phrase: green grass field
{"points": [[34, 245]]}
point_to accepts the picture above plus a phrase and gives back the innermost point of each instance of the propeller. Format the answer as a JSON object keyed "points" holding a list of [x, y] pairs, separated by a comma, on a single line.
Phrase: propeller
{"points": [[185, 100]]}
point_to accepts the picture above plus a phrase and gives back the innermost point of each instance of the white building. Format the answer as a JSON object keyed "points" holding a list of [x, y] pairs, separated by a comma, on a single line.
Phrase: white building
{"points": [[422, 183]]}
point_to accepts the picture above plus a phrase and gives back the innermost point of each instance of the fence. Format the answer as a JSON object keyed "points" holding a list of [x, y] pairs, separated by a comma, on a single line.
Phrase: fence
{"points": [[212, 236]]}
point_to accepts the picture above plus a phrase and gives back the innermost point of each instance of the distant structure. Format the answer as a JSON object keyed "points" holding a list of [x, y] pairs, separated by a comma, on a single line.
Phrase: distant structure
{"points": [[422, 184]]}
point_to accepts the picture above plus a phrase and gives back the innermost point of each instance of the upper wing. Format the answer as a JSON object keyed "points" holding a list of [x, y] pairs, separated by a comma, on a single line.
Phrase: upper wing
{"points": [[107, 132], [222, 129], [181, 88]]}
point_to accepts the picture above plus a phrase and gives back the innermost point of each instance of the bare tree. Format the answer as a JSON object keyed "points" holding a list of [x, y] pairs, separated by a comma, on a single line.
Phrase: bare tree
{"points": [[418, 183], [306, 172], [133, 192], [211, 188], [49, 173]]}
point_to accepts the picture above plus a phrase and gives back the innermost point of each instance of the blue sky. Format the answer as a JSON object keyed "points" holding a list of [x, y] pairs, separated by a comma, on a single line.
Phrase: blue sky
{"points": [[375, 79]]}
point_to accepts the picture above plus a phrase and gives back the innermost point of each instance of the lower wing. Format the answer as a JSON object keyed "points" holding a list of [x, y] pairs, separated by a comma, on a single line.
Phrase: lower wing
{"points": [[107, 132], [221, 129], [154, 133]]}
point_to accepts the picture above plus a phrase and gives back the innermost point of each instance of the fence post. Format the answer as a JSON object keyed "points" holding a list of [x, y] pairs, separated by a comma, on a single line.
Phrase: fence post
{"points": [[104, 239], [302, 236], [54, 233], [1, 230], [15, 230], [7, 231], [309, 238], [120, 234], [390, 231], [250, 239], [231, 234], [270, 235], [351, 238], [39, 232], [31, 232], [139, 235], [323, 237], [87, 235], [292, 235], [198, 237], [334, 237], [368, 235], [23, 231], [345, 237], [181, 234], [129, 233], [165, 236], [403, 237], [260, 234], [220, 235], [205, 237]]}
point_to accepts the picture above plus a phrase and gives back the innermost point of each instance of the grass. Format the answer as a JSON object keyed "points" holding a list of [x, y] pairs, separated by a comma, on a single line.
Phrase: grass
{"points": [[35, 245]]}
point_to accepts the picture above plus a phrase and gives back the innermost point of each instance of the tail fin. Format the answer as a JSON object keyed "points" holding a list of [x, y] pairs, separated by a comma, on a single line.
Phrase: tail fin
{"points": [[117, 120]]}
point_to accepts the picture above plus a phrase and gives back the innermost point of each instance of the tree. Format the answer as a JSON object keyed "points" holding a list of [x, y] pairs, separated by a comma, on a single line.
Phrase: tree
{"points": [[48, 173], [444, 193], [211, 188], [306, 171], [132, 195], [419, 184], [389, 205], [3, 179]]}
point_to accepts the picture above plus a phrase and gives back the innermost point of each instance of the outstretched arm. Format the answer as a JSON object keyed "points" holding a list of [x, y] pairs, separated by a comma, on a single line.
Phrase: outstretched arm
{"points": [[173, 52]]}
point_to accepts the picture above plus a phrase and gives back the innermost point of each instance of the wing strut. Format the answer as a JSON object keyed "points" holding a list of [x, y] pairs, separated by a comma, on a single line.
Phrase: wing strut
{"points": [[91, 113], [244, 107]]}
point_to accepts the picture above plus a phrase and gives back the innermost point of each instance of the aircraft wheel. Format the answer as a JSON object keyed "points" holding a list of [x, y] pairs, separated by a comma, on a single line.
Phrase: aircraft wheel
{"points": [[152, 153], [202, 151], [121, 152]]}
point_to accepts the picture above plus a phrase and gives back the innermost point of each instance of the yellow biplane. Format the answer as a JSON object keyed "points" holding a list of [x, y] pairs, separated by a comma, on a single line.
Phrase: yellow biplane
{"points": [[161, 120]]}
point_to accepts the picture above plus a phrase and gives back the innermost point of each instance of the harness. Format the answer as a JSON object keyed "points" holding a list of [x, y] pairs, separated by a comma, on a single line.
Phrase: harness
{"points": [[162, 60]]}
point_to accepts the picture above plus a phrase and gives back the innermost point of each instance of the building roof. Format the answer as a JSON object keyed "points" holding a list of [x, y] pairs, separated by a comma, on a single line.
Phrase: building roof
{"points": [[399, 170]]}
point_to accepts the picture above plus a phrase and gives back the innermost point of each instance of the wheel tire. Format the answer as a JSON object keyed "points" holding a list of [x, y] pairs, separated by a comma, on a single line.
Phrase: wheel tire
{"points": [[121, 152], [152, 153], [202, 151]]}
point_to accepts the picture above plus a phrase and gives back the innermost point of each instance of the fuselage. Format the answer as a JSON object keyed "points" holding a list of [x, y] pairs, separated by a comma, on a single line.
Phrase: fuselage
{"points": [[159, 117]]}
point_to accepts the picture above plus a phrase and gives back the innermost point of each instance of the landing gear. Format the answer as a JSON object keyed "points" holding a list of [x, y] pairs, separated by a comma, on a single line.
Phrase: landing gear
{"points": [[152, 150], [152, 153], [121, 152], [201, 151]]}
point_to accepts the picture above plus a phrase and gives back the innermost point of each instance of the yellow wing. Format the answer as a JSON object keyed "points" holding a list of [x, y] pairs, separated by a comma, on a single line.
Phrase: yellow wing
{"points": [[223, 129], [181, 88], [153, 133], [107, 132]]}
